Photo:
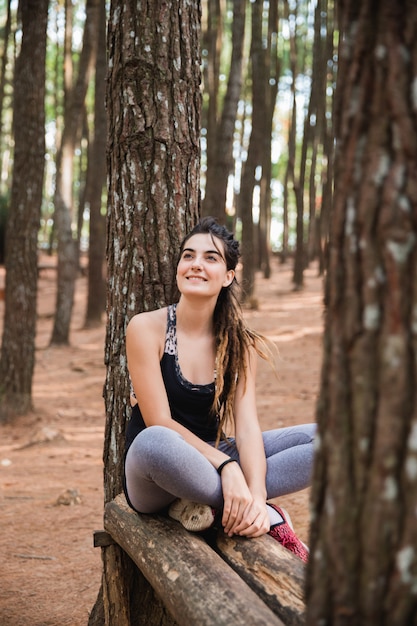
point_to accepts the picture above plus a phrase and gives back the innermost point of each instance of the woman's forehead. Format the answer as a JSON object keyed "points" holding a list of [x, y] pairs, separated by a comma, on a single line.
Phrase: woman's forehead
{"points": [[204, 241]]}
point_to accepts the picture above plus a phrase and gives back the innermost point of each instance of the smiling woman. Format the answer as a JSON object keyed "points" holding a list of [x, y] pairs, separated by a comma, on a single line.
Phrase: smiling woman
{"points": [[192, 367], [201, 264]]}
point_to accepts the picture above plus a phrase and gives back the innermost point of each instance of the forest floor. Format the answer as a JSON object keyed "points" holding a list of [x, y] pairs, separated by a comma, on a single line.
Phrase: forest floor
{"points": [[51, 469]]}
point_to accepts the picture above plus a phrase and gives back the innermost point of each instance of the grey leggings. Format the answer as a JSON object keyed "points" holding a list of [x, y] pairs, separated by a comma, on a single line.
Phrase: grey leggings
{"points": [[161, 466]]}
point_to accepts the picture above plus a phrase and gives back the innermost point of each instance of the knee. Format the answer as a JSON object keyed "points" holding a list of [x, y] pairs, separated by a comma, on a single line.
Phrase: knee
{"points": [[152, 438], [310, 431], [306, 433], [313, 431], [145, 450]]}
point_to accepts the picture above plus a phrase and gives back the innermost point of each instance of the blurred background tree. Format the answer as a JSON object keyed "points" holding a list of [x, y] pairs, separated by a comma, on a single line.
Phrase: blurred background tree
{"points": [[363, 566], [17, 358]]}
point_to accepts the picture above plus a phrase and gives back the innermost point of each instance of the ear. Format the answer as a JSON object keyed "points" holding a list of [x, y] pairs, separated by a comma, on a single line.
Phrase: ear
{"points": [[230, 274]]}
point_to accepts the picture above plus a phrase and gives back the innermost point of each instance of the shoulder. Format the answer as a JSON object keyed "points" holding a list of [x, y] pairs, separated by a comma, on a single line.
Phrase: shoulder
{"points": [[147, 328], [149, 320]]}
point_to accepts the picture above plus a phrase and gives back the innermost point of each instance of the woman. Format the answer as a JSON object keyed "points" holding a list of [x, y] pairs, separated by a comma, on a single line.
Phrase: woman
{"points": [[192, 366]]}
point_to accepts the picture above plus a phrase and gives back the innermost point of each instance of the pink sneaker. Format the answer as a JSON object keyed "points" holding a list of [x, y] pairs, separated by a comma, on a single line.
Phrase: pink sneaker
{"points": [[283, 533]]}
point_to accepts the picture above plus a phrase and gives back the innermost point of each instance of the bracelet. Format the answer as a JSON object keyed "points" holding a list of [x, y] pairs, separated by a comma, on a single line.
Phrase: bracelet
{"points": [[221, 466]]}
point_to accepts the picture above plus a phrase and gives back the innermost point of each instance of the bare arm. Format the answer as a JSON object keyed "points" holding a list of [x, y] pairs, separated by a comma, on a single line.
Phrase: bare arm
{"points": [[254, 519]]}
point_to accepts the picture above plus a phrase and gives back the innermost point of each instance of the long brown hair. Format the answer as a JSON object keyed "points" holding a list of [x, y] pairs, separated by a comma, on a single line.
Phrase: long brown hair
{"points": [[233, 337]]}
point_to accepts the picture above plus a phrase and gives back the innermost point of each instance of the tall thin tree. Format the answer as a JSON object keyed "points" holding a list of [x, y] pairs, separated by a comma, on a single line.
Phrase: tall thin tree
{"points": [[63, 199], [221, 134], [272, 72], [3, 63], [18, 343], [328, 140], [96, 178], [254, 155]]}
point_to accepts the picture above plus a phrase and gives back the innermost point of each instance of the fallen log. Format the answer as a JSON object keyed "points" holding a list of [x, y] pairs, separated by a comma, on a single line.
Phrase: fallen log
{"points": [[197, 587], [273, 572]]}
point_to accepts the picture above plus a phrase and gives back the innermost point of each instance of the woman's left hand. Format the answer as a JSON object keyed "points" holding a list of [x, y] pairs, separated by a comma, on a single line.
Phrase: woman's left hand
{"points": [[255, 520]]}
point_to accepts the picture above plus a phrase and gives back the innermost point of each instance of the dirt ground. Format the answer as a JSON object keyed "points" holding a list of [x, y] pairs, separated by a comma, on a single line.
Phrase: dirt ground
{"points": [[51, 495]]}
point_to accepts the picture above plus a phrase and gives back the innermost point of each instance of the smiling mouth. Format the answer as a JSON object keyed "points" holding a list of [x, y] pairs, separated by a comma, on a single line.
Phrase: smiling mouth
{"points": [[199, 278]]}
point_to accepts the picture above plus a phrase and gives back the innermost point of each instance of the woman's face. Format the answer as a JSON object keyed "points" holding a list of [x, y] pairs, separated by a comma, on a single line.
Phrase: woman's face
{"points": [[202, 267]]}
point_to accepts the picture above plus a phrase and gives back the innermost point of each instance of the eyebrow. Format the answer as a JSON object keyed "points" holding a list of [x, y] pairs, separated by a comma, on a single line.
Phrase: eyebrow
{"points": [[205, 251]]}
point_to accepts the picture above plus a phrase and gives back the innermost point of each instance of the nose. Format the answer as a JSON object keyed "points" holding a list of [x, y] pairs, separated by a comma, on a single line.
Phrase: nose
{"points": [[196, 263]]}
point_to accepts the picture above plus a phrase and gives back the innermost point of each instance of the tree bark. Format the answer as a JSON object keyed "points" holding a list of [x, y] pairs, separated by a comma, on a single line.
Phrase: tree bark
{"points": [[18, 343], [363, 563], [154, 108], [153, 103]]}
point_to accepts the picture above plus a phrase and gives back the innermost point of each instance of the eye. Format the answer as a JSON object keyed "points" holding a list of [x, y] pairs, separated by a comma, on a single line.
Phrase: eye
{"points": [[187, 255], [212, 257]]}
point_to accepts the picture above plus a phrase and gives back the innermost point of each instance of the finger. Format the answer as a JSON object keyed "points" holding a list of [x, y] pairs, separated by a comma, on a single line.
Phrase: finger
{"points": [[233, 520], [228, 519], [258, 527], [246, 527], [249, 522]]}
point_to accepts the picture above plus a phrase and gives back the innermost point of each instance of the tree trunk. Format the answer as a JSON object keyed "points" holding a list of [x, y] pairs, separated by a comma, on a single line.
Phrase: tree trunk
{"points": [[290, 169], [67, 242], [315, 122], [297, 181], [363, 563], [18, 343], [328, 150], [220, 161], [153, 166], [154, 107], [272, 67], [3, 197], [96, 179], [212, 44], [4, 60], [254, 158]]}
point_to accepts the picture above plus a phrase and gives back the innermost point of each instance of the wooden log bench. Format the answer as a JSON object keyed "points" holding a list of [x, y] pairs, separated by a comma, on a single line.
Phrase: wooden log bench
{"points": [[208, 579]]}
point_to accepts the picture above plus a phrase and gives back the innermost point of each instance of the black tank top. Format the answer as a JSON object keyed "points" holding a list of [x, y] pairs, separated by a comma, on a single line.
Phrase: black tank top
{"points": [[190, 404]]}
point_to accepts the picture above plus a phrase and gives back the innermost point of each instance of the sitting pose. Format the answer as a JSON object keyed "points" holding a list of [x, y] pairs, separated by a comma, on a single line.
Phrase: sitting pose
{"points": [[193, 444]]}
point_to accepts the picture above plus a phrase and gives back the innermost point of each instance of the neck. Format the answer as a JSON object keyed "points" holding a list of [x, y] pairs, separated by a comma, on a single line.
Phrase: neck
{"points": [[195, 316]]}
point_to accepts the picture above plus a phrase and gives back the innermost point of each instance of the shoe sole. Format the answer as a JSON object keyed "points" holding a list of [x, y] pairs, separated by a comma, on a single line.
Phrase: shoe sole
{"points": [[193, 516]]}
